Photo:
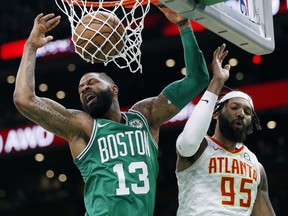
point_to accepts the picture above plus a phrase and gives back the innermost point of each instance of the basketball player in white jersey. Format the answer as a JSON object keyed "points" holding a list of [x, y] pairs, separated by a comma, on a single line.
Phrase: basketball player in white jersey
{"points": [[219, 175]]}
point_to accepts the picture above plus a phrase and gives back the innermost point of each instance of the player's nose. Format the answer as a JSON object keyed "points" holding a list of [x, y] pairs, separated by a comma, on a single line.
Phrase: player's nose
{"points": [[85, 88], [240, 113]]}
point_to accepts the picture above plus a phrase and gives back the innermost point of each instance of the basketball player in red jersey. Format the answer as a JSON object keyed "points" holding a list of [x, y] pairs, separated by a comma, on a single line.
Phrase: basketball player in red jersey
{"points": [[219, 175]]}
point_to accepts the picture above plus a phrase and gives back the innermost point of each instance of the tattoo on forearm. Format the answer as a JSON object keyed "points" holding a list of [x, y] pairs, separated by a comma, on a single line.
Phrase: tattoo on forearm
{"points": [[30, 75], [50, 117]]}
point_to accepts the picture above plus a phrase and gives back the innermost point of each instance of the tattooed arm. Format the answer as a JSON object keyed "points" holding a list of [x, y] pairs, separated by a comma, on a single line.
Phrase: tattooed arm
{"points": [[263, 206], [70, 125], [178, 94], [157, 110]]}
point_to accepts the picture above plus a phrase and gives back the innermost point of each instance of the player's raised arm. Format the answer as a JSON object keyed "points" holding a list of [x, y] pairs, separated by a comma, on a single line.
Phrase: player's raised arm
{"points": [[198, 123], [178, 94], [42, 111], [181, 92]]}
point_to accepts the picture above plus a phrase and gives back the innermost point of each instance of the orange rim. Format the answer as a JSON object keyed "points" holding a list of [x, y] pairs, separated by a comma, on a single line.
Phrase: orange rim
{"points": [[125, 3]]}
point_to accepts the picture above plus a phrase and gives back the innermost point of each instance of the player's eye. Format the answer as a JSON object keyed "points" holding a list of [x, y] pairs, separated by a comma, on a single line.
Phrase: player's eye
{"points": [[248, 112]]}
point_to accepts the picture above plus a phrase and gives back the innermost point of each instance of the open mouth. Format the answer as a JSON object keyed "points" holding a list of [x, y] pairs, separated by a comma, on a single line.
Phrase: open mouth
{"points": [[238, 124], [90, 98]]}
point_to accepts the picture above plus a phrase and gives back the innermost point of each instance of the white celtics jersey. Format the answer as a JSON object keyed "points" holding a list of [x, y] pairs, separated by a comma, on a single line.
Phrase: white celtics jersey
{"points": [[219, 182]]}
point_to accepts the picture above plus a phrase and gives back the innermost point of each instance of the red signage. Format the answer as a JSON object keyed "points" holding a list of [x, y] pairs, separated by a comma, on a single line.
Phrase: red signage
{"points": [[265, 96], [27, 138]]}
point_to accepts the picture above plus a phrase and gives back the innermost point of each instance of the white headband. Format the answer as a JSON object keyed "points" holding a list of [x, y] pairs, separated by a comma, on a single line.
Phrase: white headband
{"points": [[235, 94]]}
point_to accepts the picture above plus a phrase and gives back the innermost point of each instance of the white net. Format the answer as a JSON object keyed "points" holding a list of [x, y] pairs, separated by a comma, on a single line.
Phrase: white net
{"points": [[107, 32]]}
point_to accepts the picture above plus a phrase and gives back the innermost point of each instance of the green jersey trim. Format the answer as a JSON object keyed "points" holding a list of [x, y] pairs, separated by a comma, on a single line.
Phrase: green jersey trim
{"points": [[89, 143], [146, 124]]}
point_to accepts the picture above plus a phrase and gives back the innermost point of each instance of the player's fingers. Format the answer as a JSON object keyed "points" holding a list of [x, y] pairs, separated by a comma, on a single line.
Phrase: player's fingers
{"points": [[222, 48], [161, 6], [164, 9], [46, 17], [38, 17], [48, 38], [227, 67], [48, 22], [53, 22], [223, 55], [216, 52]]}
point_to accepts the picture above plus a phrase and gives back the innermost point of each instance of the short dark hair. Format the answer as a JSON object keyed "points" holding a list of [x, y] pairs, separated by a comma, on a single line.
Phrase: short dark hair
{"points": [[103, 76]]}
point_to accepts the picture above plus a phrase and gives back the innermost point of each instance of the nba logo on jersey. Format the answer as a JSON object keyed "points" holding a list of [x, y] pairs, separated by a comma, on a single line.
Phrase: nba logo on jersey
{"points": [[244, 7], [247, 156]]}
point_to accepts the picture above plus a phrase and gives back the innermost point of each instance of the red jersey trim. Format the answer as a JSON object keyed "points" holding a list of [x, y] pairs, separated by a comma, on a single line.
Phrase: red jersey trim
{"points": [[222, 146]]}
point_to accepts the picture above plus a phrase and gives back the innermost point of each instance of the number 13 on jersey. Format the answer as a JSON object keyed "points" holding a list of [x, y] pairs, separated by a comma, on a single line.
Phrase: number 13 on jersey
{"points": [[142, 185]]}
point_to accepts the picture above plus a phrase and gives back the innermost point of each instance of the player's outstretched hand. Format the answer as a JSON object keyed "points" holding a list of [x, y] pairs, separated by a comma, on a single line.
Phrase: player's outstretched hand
{"points": [[170, 14], [42, 24], [220, 72]]}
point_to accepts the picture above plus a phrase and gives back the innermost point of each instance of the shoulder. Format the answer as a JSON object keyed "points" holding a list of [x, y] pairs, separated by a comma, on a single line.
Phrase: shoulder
{"points": [[252, 155], [157, 110], [81, 115], [263, 176], [144, 106], [82, 122]]}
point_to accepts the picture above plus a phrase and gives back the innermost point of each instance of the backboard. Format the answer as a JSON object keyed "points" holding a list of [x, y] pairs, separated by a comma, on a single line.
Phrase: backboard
{"points": [[245, 23]]}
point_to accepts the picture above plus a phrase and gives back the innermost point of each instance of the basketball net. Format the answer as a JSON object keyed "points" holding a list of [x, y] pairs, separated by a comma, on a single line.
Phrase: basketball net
{"points": [[131, 16]]}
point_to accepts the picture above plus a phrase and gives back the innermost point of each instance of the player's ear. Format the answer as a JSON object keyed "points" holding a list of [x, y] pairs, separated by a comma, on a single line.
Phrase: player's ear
{"points": [[114, 89], [215, 115]]}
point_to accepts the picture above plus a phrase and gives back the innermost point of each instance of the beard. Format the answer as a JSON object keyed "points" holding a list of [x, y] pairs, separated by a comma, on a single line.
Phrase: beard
{"points": [[230, 133], [102, 105]]}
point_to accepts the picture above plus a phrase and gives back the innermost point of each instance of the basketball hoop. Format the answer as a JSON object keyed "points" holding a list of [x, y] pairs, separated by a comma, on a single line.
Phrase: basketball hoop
{"points": [[131, 14], [125, 3]]}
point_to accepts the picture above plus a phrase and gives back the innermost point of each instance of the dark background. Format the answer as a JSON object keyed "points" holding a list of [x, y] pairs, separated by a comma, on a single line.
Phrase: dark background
{"points": [[24, 188]]}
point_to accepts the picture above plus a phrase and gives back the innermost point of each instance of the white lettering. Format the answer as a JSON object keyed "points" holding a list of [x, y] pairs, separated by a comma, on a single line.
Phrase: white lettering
{"points": [[147, 149], [121, 144], [11, 142], [140, 143], [44, 137], [103, 149], [26, 138], [1, 144], [129, 133], [55, 47], [113, 149]]}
